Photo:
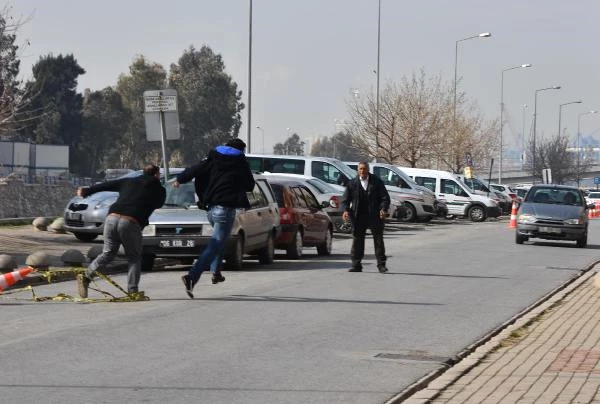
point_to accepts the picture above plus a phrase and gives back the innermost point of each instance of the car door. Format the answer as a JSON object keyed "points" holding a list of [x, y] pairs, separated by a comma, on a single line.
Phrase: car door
{"points": [[455, 196], [255, 219], [315, 220]]}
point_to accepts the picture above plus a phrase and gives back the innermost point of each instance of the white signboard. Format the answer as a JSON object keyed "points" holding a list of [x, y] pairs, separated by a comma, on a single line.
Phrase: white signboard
{"points": [[157, 103]]}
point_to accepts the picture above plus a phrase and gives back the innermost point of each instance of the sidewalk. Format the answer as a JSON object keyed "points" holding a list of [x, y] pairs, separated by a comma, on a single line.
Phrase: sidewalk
{"points": [[552, 354]]}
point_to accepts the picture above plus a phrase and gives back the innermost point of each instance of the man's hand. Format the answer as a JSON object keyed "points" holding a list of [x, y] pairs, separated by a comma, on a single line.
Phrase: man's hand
{"points": [[382, 214], [80, 192], [345, 216], [175, 184]]}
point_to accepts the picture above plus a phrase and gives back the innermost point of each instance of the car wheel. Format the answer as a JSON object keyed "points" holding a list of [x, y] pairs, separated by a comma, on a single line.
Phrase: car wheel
{"points": [[410, 215], [325, 247], [267, 253], [520, 239], [582, 242], [148, 262], [476, 213], [235, 260], [294, 250], [85, 236]]}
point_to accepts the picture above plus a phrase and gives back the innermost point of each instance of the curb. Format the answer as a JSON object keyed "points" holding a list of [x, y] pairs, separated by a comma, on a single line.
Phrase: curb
{"points": [[433, 384]]}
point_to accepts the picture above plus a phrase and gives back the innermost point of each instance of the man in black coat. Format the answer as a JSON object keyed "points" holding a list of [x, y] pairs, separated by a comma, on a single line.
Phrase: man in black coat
{"points": [[366, 202], [138, 198], [221, 182]]}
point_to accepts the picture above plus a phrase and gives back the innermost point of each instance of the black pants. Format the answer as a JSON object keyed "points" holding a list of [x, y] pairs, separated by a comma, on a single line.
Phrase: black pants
{"points": [[358, 243]]}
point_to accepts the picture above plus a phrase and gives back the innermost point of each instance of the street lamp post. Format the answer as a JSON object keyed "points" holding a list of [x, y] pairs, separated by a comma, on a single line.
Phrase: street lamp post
{"points": [[482, 35], [535, 125], [560, 111], [578, 136], [524, 107], [249, 145], [263, 137], [378, 63], [502, 113]]}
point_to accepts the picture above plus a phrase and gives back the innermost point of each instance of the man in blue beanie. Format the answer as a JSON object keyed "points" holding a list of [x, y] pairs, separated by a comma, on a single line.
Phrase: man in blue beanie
{"points": [[221, 182]]}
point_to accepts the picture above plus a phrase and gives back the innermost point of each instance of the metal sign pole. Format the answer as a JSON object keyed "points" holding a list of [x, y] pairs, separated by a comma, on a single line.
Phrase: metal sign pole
{"points": [[163, 135]]}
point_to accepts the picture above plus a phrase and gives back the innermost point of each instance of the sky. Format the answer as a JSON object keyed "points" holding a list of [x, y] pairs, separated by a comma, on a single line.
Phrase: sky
{"points": [[309, 57]]}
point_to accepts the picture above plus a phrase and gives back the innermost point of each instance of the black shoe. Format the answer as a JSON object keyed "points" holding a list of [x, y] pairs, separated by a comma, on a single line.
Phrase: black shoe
{"points": [[83, 282], [189, 285], [217, 277], [382, 269], [355, 269]]}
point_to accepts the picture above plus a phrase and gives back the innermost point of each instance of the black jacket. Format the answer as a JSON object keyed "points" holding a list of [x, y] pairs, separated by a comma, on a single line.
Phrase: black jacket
{"points": [[138, 196], [223, 178], [377, 194]]}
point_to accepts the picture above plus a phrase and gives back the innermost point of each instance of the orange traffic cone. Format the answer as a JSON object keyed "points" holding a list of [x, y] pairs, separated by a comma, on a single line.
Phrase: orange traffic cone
{"points": [[513, 216], [11, 278]]}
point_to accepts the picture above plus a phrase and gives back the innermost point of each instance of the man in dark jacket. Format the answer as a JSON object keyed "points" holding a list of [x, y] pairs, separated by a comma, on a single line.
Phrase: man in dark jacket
{"points": [[221, 182], [366, 202], [138, 198]]}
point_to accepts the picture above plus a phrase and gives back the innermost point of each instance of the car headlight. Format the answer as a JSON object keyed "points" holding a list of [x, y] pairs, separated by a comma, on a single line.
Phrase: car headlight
{"points": [[149, 230], [207, 230], [574, 221], [524, 218]]}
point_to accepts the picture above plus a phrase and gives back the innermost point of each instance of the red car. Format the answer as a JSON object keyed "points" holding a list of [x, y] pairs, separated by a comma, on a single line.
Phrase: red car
{"points": [[303, 221]]}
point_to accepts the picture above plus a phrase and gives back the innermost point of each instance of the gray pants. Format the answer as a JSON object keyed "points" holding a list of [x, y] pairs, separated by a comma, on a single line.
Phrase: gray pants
{"points": [[116, 232]]}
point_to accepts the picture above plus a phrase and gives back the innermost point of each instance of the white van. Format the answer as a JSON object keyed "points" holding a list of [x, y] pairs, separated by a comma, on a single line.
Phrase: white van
{"points": [[459, 198], [330, 170], [419, 201]]}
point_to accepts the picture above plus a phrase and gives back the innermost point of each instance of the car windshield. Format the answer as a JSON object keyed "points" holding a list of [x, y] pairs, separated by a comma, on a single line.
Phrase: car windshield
{"points": [[183, 196], [558, 196], [322, 186], [594, 195]]}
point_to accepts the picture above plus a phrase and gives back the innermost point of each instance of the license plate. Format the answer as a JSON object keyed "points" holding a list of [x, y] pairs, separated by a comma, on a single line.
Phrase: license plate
{"points": [[550, 230], [176, 243], [73, 216]]}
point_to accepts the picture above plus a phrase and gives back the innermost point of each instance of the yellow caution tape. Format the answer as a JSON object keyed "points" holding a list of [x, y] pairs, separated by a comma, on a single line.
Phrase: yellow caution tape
{"points": [[50, 275]]}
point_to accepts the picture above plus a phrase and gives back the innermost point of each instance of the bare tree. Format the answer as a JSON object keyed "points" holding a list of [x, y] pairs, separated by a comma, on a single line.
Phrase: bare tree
{"points": [[553, 153], [15, 99], [416, 128]]}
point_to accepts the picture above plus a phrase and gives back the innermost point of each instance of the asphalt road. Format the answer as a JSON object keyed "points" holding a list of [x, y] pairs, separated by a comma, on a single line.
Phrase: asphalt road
{"points": [[293, 332]]}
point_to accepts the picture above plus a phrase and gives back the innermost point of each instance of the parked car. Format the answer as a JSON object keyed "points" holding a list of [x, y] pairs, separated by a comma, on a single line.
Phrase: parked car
{"points": [[328, 196], [482, 188], [553, 212], [460, 199], [84, 217], [181, 230], [303, 221]]}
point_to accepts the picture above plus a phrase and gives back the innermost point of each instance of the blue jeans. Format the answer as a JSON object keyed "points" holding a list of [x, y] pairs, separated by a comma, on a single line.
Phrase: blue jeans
{"points": [[116, 232], [221, 219]]}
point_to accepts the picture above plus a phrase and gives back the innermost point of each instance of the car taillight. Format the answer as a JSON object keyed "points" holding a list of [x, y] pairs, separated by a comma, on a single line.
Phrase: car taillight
{"points": [[285, 216], [334, 201], [512, 196]]}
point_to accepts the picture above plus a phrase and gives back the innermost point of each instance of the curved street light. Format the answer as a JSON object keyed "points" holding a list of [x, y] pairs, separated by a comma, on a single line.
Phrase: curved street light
{"points": [[502, 113], [578, 136], [482, 35], [263, 137], [535, 124], [560, 111]]}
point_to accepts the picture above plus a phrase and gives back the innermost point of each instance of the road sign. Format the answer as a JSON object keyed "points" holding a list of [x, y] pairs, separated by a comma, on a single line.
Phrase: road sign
{"points": [[158, 103], [596, 180]]}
